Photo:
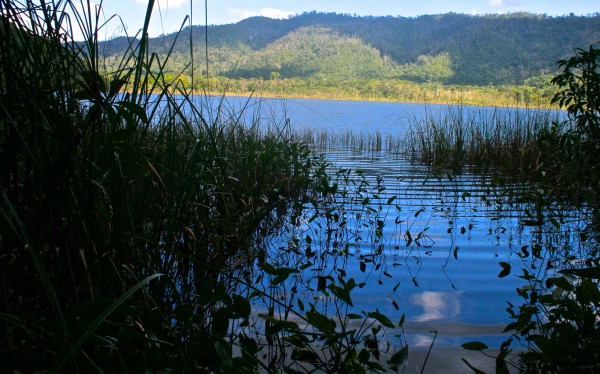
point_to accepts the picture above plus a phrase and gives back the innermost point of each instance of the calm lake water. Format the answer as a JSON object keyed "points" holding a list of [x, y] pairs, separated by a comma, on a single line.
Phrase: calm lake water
{"points": [[443, 238]]}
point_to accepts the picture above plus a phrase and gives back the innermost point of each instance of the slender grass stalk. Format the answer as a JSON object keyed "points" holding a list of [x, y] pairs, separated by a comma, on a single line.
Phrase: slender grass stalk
{"points": [[11, 216]]}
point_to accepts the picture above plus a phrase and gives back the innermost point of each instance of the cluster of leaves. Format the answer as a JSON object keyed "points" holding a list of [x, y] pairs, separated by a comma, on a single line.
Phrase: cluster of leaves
{"points": [[571, 148]]}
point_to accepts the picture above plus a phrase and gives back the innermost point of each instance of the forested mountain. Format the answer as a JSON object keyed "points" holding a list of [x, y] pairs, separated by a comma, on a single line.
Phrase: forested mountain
{"points": [[447, 48]]}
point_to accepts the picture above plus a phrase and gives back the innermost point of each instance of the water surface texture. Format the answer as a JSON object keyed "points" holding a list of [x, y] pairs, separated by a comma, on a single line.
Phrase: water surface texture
{"points": [[444, 236]]}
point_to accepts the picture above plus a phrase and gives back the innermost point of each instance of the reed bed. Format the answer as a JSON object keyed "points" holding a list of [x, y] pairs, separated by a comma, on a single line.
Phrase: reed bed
{"points": [[455, 138], [122, 200], [323, 140], [482, 140]]}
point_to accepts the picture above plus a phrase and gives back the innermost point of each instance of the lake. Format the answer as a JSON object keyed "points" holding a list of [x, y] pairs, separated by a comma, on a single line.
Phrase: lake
{"points": [[443, 237]]}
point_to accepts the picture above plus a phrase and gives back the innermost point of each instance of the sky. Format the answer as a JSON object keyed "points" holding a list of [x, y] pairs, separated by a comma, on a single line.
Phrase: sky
{"points": [[168, 15]]}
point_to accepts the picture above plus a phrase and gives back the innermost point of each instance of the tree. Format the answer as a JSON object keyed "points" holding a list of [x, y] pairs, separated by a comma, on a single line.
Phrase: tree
{"points": [[579, 92]]}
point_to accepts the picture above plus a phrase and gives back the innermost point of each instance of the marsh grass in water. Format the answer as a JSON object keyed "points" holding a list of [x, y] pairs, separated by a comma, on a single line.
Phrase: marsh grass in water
{"points": [[454, 139], [481, 139]]}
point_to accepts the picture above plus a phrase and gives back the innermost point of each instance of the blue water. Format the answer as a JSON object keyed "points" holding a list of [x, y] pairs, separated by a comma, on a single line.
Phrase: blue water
{"points": [[448, 280]]}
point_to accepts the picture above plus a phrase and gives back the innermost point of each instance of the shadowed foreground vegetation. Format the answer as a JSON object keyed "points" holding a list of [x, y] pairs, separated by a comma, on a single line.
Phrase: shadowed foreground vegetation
{"points": [[136, 220]]}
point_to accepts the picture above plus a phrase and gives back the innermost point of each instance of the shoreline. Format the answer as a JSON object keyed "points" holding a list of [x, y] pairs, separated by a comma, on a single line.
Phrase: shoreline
{"points": [[267, 95]]}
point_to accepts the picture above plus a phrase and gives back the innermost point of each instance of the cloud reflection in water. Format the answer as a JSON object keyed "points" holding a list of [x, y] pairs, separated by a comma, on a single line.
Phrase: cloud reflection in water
{"points": [[437, 305]]}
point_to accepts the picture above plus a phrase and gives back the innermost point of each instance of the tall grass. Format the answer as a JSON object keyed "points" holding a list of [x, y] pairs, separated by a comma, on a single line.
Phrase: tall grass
{"points": [[509, 141], [477, 139], [104, 184], [324, 140], [133, 215]]}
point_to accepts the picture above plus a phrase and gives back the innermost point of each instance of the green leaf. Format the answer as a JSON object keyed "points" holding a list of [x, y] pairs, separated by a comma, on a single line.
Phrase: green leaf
{"points": [[300, 305], [321, 283], [321, 322], [297, 340], [364, 356], [220, 322], [279, 324], [268, 268], [588, 293], [474, 346], [341, 293], [115, 87], [240, 308], [398, 358], [385, 321], [224, 352], [282, 274], [304, 355], [133, 109], [544, 344], [590, 273], [562, 283]]}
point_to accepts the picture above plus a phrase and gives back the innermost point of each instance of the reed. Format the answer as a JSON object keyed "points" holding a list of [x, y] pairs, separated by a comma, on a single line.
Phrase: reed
{"points": [[481, 140], [456, 138], [134, 214], [328, 141], [121, 194]]}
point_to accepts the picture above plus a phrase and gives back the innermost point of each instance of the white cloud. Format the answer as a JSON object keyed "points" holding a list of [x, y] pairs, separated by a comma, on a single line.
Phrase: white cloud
{"points": [[504, 3], [240, 14]]}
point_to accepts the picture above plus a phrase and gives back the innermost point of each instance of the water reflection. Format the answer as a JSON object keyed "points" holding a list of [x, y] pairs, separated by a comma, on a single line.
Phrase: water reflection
{"points": [[437, 305], [422, 245]]}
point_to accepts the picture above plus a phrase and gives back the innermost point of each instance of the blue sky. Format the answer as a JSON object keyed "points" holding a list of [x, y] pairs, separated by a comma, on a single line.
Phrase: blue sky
{"points": [[169, 14]]}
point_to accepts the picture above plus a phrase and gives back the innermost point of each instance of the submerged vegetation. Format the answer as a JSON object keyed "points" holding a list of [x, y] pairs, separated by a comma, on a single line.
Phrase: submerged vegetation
{"points": [[146, 229]]}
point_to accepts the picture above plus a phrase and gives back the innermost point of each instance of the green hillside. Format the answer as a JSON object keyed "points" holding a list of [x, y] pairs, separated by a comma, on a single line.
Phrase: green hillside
{"points": [[448, 48], [316, 53]]}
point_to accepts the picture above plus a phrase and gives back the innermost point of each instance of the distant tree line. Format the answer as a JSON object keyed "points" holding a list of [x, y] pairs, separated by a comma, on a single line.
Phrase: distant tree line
{"points": [[315, 53]]}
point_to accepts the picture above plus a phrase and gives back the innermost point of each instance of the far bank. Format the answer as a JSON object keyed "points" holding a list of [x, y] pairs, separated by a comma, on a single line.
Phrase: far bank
{"points": [[375, 90]]}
